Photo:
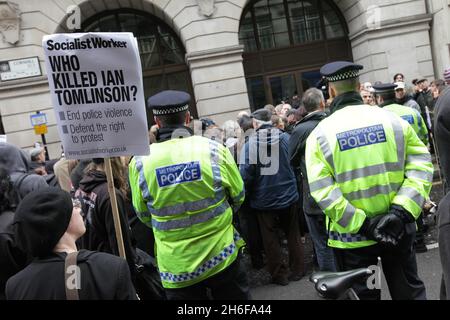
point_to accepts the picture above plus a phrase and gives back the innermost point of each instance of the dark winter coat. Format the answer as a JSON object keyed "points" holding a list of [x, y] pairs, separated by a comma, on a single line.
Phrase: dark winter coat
{"points": [[97, 212], [269, 185], [12, 258], [442, 134], [444, 242], [425, 99], [17, 162], [297, 145], [409, 101], [103, 277]]}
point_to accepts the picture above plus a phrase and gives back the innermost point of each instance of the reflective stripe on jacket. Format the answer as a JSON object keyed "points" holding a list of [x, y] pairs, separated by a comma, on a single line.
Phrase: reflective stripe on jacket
{"points": [[360, 161], [413, 117], [186, 190]]}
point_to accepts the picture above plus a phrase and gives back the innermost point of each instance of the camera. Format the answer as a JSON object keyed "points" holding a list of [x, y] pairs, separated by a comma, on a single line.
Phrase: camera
{"points": [[322, 85]]}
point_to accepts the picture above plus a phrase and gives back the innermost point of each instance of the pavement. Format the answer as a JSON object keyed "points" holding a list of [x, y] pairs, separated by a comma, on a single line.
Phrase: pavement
{"points": [[428, 264]]}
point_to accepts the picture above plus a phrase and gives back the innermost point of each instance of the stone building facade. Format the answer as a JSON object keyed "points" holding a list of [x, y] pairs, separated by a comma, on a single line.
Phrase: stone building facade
{"points": [[232, 55]]}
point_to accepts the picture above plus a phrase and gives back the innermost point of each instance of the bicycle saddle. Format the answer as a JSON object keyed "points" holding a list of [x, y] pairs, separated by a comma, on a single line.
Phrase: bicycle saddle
{"points": [[333, 285]]}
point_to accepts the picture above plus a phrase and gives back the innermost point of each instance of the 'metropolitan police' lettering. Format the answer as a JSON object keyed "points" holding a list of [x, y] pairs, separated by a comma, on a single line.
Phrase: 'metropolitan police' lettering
{"points": [[179, 173], [361, 137]]}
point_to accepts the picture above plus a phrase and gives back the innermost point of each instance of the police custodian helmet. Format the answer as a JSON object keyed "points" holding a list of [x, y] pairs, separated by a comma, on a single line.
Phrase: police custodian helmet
{"points": [[169, 102], [340, 70]]}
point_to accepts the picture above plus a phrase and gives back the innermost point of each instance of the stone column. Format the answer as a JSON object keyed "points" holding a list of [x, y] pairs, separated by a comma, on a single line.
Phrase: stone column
{"points": [[219, 82], [400, 45], [389, 37]]}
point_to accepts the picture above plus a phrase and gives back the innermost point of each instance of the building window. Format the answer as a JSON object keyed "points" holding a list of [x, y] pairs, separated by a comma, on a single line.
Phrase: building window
{"points": [[333, 26], [246, 35], [161, 52], [269, 24], [157, 44], [286, 42]]}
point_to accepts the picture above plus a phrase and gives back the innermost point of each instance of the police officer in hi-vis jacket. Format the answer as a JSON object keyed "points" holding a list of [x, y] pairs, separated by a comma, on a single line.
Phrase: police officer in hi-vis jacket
{"points": [[370, 174], [186, 190]]}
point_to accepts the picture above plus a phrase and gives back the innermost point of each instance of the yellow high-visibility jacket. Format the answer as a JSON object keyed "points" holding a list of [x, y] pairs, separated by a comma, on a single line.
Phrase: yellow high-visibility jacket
{"points": [[186, 190], [360, 161]]}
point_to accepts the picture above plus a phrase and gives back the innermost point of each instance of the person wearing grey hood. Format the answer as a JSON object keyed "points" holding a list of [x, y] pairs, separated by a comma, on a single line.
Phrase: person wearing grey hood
{"points": [[271, 187], [17, 162]]}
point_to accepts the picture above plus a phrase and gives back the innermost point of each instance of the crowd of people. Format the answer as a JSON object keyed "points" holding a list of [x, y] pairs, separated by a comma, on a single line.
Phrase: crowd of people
{"points": [[206, 192]]}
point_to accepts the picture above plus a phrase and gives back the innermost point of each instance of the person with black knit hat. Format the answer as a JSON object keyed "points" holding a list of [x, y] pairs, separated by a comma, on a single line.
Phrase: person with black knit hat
{"points": [[47, 225]]}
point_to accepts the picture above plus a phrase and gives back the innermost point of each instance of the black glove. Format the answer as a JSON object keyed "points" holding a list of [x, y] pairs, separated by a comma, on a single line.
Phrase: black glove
{"points": [[391, 227], [404, 215], [369, 228]]}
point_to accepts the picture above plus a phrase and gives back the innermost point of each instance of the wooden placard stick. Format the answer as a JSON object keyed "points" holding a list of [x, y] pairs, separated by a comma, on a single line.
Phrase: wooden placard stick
{"points": [[115, 209]]}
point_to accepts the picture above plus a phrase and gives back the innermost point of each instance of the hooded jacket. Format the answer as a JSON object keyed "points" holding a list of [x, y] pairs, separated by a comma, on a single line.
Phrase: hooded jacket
{"points": [[97, 213], [78, 172], [269, 179], [17, 162]]}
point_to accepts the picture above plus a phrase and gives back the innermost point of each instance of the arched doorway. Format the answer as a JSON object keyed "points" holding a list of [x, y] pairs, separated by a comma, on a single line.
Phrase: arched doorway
{"points": [[285, 44], [162, 53]]}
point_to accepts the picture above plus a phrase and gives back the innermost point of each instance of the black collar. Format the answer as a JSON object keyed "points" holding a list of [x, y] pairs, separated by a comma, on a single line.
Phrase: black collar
{"points": [[346, 99], [387, 103], [313, 115], [166, 133]]}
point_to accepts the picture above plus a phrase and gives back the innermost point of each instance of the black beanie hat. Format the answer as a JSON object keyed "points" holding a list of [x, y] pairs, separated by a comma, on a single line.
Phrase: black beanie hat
{"points": [[41, 219]]}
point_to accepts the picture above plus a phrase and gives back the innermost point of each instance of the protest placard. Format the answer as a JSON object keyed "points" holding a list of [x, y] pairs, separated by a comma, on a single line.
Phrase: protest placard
{"points": [[96, 87], [97, 93]]}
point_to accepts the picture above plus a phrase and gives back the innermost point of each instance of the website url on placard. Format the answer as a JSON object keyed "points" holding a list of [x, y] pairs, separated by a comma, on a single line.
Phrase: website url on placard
{"points": [[98, 150]]}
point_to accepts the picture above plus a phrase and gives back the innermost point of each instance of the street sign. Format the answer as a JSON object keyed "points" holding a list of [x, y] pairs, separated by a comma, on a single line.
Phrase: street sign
{"points": [[19, 69], [38, 119], [41, 129]]}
